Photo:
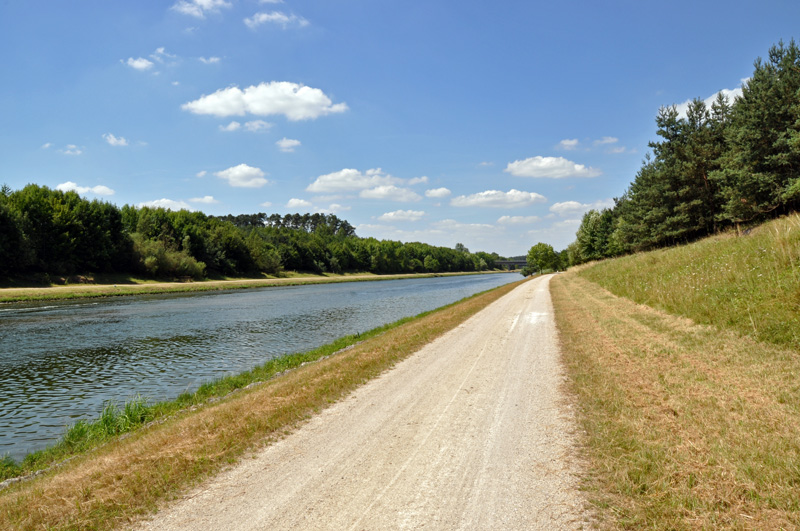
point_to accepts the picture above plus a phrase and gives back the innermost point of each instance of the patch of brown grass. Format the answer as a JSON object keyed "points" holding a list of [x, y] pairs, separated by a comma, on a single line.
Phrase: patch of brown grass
{"points": [[131, 477], [688, 426]]}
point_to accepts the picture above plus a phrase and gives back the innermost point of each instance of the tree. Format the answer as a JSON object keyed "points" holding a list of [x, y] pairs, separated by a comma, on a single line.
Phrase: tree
{"points": [[541, 257]]}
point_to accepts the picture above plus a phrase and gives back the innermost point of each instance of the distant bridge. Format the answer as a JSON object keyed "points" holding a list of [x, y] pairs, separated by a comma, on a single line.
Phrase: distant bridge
{"points": [[511, 264]]}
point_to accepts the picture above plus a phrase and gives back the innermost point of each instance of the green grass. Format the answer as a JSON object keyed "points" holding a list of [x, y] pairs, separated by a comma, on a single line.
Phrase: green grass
{"points": [[749, 283]]}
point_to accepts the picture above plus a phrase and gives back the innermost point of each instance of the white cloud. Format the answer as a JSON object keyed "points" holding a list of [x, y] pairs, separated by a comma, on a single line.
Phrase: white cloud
{"points": [[206, 200], [243, 176], [233, 126], [199, 8], [390, 192], [265, 204], [569, 144], [47, 145], [497, 199], [402, 215], [417, 180], [549, 167], [606, 140], [731, 94], [160, 55], [209, 60], [275, 17], [96, 190], [71, 149], [574, 208], [287, 145], [298, 203], [437, 193], [201, 174], [254, 126], [518, 220], [333, 208], [139, 63], [270, 1], [486, 164], [295, 101], [349, 179], [169, 204], [115, 141]]}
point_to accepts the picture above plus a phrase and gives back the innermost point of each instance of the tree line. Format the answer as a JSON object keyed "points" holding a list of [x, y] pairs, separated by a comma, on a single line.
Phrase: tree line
{"points": [[727, 165], [51, 232]]}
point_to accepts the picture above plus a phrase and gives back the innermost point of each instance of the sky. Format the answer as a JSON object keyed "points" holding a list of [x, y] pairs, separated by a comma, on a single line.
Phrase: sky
{"points": [[492, 124]]}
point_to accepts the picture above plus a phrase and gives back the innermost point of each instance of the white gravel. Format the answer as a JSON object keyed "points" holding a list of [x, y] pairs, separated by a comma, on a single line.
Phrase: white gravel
{"points": [[471, 432]]}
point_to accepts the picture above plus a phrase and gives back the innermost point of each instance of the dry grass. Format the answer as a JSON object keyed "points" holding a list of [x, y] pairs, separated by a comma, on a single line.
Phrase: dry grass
{"points": [[688, 426], [126, 478]]}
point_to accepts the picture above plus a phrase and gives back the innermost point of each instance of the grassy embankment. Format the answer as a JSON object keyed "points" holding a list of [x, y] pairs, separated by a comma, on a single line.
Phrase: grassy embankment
{"points": [[110, 286], [692, 409], [129, 476]]}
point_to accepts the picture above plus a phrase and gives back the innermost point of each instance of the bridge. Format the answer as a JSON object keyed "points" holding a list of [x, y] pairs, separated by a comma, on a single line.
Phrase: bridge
{"points": [[511, 264]]}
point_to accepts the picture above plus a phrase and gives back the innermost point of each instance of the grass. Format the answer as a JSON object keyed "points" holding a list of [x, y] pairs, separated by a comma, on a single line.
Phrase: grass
{"points": [[749, 283], [126, 477], [689, 425]]}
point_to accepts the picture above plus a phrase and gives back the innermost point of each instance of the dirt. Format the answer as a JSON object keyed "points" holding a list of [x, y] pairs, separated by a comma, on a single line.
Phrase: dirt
{"points": [[474, 431]]}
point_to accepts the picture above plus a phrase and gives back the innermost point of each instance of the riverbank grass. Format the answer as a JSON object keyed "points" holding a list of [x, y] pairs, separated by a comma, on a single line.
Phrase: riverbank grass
{"points": [[749, 283], [687, 426], [130, 476]]}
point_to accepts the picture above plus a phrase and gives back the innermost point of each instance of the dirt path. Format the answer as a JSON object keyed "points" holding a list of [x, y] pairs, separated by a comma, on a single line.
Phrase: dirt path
{"points": [[472, 432]]}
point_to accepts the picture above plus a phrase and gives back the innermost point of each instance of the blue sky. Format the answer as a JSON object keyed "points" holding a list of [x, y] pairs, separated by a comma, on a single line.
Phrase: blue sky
{"points": [[492, 124]]}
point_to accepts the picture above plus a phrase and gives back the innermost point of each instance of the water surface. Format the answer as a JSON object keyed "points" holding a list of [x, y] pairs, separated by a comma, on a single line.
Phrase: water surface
{"points": [[61, 361]]}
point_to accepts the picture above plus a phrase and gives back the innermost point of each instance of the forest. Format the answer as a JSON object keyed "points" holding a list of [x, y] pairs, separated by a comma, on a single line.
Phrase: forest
{"points": [[46, 232], [728, 165]]}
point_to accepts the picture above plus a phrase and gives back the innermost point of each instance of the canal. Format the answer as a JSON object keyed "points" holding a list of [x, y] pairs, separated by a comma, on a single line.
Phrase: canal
{"points": [[61, 361]]}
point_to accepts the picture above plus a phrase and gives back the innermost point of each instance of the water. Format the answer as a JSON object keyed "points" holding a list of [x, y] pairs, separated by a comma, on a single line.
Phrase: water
{"points": [[61, 361]]}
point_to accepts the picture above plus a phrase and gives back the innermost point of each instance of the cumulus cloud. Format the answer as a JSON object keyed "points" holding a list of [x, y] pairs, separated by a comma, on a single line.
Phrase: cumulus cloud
{"points": [[417, 180], [201, 174], [606, 140], [550, 167], [168, 204], [569, 144], [47, 145], [486, 164], [298, 203], [731, 94], [333, 208], [574, 208], [199, 8], [518, 220], [233, 126], [71, 149], [294, 101], [437, 193], [140, 63], [209, 60], [161, 55], [275, 17], [243, 176], [70, 186], [402, 215], [390, 192], [498, 199], [206, 200], [255, 126], [287, 145], [114, 140], [348, 180]]}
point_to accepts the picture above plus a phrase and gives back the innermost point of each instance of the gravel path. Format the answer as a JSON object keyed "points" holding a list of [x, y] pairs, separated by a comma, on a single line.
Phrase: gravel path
{"points": [[471, 432]]}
